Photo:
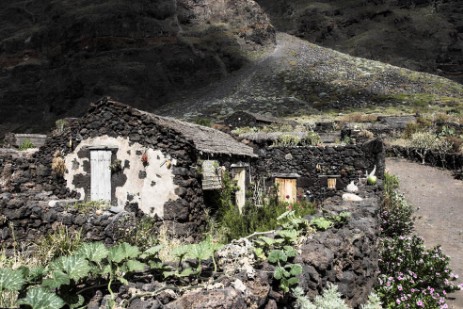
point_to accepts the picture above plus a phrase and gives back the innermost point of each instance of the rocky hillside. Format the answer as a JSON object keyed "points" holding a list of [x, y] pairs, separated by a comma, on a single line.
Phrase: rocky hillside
{"points": [[196, 58], [424, 35], [300, 78], [57, 56]]}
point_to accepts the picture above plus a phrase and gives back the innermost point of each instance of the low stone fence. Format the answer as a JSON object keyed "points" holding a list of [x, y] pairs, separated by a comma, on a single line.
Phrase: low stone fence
{"points": [[451, 161], [27, 217]]}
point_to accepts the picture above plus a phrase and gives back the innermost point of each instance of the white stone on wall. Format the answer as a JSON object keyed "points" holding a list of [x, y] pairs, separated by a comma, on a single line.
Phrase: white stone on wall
{"points": [[151, 191]]}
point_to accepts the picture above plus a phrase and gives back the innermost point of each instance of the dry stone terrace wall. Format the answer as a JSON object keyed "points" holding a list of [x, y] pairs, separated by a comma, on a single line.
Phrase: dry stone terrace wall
{"points": [[347, 256], [349, 162], [450, 161]]}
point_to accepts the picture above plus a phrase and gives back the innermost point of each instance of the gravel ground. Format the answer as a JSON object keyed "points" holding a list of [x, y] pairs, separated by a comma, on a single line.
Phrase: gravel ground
{"points": [[439, 199]]}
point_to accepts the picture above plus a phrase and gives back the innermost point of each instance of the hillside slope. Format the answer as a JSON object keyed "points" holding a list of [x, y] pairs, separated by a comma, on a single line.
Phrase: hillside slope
{"points": [[298, 77], [56, 56], [424, 35]]}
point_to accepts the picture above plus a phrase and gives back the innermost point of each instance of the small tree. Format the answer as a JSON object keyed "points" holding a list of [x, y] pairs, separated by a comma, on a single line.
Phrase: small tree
{"points": [[423, 142]]}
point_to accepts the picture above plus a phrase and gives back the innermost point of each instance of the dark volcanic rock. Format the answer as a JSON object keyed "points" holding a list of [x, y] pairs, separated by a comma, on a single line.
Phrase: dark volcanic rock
{"points": [[56, 57], [420, 35]]}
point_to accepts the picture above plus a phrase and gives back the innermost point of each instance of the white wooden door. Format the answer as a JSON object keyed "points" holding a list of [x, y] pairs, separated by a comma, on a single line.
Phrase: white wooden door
{"points": [[240, 195], [100, 180]]}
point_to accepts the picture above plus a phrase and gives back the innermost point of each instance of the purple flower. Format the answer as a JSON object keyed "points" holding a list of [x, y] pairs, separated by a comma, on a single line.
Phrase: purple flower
{"points": [[419, 303]]}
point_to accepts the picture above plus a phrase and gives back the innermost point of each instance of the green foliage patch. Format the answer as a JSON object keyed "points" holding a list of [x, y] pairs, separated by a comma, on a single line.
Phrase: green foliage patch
{"points": [[26, 144]]}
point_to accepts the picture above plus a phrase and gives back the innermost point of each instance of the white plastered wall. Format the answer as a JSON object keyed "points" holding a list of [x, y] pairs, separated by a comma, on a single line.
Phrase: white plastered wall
{"points": [[150, 192]]}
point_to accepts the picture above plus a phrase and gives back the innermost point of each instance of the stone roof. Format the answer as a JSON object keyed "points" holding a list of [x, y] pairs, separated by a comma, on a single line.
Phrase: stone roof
{"points": [[268, 118], [205, 139]]}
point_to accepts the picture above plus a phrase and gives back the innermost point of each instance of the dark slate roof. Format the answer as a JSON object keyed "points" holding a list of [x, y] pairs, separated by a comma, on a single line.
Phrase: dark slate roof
{"points": [[205, 139]]}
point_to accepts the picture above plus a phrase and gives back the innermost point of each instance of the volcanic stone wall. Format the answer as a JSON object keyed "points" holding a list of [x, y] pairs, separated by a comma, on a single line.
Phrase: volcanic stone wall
{"points": [[345, 255], [316, 164], [452, 161]]}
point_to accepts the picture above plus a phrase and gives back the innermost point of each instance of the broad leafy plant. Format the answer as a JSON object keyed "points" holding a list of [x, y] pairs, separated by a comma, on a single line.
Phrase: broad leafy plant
{"points": [[279, 250], [60, 283]]}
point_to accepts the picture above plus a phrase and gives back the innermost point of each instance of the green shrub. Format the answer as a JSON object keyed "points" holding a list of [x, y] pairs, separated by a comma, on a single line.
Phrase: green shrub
{"points": [[26, 144], [456, 142], [60, 124], [311, 138], [233, 224], [257, 219], [330, 299], [396, 216], [62, 241], [287, 140], [426, 140], [421, 124], [142, 232], [90, 206], [203, 121], [413, 277], [391, 184]]}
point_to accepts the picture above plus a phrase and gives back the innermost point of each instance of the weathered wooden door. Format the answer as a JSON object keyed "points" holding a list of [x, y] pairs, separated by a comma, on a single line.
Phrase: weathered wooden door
{"points": [[240, 178], [100, 180], [287, 190]]}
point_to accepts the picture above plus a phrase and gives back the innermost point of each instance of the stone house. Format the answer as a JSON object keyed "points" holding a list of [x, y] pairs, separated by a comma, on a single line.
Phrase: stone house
{"points": [[134, 160], [123, 156], [141, 163], [315, 172]]}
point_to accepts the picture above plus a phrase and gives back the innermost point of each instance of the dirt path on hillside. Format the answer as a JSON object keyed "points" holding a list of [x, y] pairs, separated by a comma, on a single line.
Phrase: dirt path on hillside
{"points": [[439, 199]]}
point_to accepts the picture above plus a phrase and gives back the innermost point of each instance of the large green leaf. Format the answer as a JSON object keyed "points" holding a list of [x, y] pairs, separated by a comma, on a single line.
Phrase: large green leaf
{"points": [[186, 272], [290, 251], [35, 273], [201, 251], [267, 242], [181, 251], [93, 251], [134, 265], [57, 279], [123, 251], [293, 281], [260, 254], [277, 255], [106, 270], [289, 235], [11, 280], [38, 298], [321, 223], [280, 273], [153, 251], [75, 266], [295, 269]]}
